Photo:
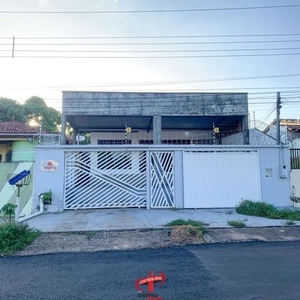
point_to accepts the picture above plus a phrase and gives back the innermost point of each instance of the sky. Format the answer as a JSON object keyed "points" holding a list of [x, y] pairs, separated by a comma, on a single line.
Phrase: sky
{"points": [[153, 45]]}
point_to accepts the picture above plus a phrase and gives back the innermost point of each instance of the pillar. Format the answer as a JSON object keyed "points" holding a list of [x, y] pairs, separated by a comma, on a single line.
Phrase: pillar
{"points": [[63, 130], [245, 130], [156, 130], [74, 136]]}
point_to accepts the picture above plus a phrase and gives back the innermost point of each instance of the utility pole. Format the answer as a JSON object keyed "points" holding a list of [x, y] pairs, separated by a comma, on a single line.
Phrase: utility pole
{"points": [[278, 107]]}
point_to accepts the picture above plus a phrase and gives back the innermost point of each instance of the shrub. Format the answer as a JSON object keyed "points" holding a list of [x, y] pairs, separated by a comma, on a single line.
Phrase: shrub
{"points": [[14, 237], [251, 208], [262, 209]]}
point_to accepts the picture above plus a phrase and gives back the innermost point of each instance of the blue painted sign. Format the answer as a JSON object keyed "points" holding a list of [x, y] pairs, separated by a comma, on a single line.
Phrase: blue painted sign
{"points": [[18, 177]]}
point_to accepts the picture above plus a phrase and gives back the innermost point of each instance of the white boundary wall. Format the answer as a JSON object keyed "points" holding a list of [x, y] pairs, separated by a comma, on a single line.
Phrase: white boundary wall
{"points": [[273, 170]]}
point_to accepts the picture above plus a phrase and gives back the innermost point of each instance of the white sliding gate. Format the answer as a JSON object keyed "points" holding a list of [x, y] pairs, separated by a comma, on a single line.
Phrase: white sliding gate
{"points": [[103, 179], [220, 178]]}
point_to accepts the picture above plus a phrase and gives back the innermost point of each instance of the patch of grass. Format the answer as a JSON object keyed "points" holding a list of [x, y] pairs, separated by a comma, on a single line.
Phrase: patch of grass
{"points": [[90, 234], [237, 223], [181, 222], [15, 237], [289, 222], [262, 209]]}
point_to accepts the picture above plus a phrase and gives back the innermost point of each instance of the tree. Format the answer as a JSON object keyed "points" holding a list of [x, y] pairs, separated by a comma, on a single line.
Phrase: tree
{"points": [[36, 109], [11, 110]]}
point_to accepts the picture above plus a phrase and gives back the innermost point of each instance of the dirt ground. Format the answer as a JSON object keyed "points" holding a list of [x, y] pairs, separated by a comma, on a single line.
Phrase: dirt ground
{"points": [[159, 238]]}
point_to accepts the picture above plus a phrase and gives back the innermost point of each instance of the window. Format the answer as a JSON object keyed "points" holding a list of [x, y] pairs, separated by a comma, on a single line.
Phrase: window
{"points": [[176, 142], [146, 142], [114, 142], [8, 156]]}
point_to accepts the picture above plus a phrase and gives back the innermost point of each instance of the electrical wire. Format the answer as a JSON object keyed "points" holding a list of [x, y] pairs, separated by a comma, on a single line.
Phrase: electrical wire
{"points": [[155, 11], [152, 37], [152, 43], [153, 57], [150, 51]]}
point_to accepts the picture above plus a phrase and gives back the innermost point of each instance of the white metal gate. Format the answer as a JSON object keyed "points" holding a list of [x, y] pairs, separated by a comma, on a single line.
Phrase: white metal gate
{"points": [[162, 179], [220, 178], [102, 179]]}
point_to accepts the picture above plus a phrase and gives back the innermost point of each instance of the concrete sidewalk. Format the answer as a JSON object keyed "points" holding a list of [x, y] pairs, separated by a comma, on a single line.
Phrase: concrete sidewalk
{"points": [[126, 219]]}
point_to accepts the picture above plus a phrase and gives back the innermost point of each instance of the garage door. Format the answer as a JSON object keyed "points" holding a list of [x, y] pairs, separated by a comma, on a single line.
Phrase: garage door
{"points": [[220, 178]]}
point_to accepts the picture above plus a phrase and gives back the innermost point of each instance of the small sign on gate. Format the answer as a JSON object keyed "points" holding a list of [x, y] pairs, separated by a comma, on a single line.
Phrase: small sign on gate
{"points": [[49, 165]]}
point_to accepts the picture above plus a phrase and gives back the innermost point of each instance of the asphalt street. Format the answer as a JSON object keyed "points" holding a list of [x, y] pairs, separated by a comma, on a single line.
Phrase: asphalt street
{"points": [[256, 271]]}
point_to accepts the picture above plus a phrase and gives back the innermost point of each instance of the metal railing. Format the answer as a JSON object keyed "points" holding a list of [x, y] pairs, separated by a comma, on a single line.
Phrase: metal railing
{"points": [[295, 158]]}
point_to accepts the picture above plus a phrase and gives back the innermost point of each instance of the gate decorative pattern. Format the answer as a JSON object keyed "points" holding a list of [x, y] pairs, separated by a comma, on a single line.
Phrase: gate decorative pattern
{"points": [[162, 179], [105, 179]]}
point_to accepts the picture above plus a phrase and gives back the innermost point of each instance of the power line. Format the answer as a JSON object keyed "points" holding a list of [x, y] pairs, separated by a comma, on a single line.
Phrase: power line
{"points": [[151, 51], [206, 80], [134, 84], [154, 11], [151, 43], [156, 36], [154, 57]]}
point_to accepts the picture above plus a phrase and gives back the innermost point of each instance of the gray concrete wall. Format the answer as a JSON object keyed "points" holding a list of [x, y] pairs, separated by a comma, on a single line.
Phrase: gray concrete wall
{"points": [[154, 104]]}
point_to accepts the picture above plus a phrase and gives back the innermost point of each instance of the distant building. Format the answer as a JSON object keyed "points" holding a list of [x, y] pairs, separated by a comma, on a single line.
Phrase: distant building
{"points": [[17, 141], [290, 131]]}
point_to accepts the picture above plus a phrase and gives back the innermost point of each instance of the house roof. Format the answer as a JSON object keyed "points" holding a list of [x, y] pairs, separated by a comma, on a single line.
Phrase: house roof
{"points": [[15, 127]]}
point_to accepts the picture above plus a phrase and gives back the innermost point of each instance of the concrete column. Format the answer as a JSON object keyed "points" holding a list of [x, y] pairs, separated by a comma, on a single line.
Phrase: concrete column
{"points": [[245, 130], [63, 129], [156, 130]]}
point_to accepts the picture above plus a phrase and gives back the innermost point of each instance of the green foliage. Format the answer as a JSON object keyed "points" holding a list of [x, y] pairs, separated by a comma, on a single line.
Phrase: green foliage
{"points": [[189, 222], [34, 109], [289, 222], [262, 209], [47, 197], [11, 110], [15, 237], [8, 211], [237, 223], [90, 234]]}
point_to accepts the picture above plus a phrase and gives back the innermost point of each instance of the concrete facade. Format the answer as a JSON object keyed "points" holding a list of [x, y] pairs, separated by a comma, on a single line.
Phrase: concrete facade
{"points": [[155, 112]]}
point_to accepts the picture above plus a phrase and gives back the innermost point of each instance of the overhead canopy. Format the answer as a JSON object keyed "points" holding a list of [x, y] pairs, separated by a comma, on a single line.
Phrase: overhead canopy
{"points": [[115, 123]]}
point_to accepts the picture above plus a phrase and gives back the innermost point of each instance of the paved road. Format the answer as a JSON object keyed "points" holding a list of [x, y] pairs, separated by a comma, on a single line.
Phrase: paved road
{"points": [[256, 271]]}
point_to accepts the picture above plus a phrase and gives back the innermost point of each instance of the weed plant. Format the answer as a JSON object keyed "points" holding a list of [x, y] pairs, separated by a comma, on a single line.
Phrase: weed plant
{"points": [[189, 222], [262, 209], [236, 223]]}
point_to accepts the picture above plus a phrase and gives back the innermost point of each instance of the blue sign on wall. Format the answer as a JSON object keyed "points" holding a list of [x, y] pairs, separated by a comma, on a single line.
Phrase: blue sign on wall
{"points": [[18, 177]]}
